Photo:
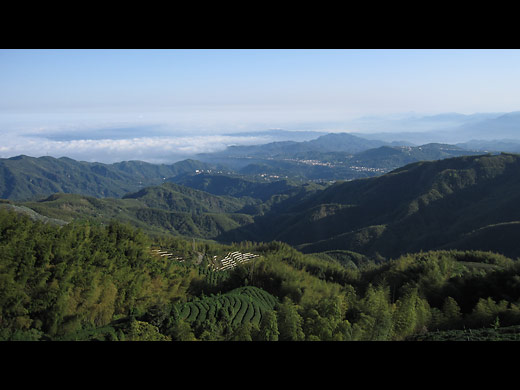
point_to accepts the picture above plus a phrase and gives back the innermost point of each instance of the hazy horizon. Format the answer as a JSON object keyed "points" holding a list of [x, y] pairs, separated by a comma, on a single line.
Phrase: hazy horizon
{"points": [[164, 105]]}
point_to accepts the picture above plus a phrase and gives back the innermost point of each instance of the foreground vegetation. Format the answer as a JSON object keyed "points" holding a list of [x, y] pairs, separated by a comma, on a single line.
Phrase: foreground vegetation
{"points": [[86, 281]]}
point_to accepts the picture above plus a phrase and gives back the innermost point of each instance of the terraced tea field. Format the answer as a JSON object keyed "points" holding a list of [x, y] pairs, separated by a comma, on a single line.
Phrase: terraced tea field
{"points": [[509, 333], [242, 305]]}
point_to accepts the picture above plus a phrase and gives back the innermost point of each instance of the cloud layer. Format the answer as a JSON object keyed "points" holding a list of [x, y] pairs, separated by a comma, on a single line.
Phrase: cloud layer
{"points": [[109, 137], [158, 149]]}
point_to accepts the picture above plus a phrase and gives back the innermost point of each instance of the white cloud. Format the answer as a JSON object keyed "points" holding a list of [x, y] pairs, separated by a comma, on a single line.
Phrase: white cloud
{"points": [[160, 137], [151, 149]]}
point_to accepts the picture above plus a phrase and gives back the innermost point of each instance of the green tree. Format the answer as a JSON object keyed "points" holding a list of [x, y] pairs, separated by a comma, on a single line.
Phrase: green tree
{"points": [[143, 331], [486, 312], [242, 332], [182, 331], [376, 321], [322, 320], [411, 314], [268, 327], [289, 321], [452, 313]]}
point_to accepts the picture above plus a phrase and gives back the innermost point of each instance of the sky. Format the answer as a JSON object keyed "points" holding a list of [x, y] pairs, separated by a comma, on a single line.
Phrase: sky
{"points": [[117, 104]]}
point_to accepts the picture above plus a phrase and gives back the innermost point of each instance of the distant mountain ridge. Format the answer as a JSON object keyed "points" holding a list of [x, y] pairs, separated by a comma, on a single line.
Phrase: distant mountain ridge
{"points": [[443, 128], [503, 127], [331, 142], [338, 156]]}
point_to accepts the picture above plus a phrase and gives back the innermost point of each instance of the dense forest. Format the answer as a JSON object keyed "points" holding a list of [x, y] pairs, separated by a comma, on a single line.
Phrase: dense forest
{"points": [[468, 202], [94, 281]]}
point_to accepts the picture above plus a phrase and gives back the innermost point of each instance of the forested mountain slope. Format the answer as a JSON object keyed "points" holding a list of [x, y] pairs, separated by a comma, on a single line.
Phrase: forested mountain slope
{"points": [[392, 157], [25, 177], [421, 206], [168, 208], [234, 186], [180, 198]]}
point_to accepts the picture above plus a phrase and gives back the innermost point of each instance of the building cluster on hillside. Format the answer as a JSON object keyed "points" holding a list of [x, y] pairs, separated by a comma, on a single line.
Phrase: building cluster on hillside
{"points": [[268, 176], [231, 260], [368, 169], [210, 171], [310, 162]]}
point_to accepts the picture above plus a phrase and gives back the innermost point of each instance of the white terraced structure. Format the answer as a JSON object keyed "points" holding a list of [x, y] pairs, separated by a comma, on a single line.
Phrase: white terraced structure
{"points": [[167, 255], [232, 260]]}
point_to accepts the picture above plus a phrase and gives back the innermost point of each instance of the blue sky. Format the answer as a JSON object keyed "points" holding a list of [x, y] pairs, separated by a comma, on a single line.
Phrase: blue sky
{"points": [[188, 92], [353, 82]]}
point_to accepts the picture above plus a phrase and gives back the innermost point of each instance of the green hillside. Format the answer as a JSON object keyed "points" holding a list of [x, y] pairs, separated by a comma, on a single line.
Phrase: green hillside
{"points": [[167, 209], [24, 177], [176, 209], [83, 281], [8, 205], [234, 186], [422, 206], [392, 157], [179, 198]]}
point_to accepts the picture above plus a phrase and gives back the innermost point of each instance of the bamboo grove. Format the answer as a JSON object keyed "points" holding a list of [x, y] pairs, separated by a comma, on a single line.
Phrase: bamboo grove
{"points": [[87, 281]]}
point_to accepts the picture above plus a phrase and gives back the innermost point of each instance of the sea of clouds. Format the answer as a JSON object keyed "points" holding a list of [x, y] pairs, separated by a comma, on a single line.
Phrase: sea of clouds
{"points": [[113, 137], [155, 137], [154, 149]]}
